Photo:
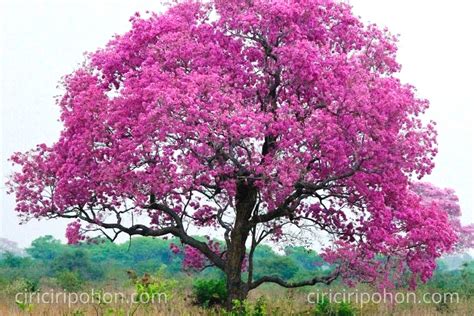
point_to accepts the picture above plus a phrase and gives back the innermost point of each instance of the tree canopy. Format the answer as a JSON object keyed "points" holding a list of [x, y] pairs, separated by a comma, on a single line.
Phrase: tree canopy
{"points": [[253, 119]]}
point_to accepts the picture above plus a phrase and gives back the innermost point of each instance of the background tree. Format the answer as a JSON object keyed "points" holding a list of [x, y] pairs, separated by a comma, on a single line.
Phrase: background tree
{"points": [[255, 120], [45, 248]]}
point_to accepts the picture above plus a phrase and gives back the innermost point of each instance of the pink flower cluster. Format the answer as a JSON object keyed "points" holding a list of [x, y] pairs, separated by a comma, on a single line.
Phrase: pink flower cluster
{"points": [[193, 258], [73, 233]]}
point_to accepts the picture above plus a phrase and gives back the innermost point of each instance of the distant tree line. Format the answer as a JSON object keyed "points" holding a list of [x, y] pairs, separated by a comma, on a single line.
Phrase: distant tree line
{"points": [[71, 266]]}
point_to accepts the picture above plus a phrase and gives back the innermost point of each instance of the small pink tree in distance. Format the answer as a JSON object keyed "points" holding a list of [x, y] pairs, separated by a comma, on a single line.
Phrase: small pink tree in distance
{"points": [[254, 120]]}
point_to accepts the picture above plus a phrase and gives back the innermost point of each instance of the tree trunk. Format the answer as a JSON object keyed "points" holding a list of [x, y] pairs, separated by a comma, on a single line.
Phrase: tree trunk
{"points": [[237, 291], [245, 202]]}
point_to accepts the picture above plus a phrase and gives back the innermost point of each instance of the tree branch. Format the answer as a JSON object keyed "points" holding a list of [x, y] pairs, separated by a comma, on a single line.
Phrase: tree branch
{"points": [[142, 230], [274, 279]]}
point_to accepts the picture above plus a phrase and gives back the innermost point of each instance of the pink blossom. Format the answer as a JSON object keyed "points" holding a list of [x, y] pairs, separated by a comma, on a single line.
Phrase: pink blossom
{"points": [[73, 233]]}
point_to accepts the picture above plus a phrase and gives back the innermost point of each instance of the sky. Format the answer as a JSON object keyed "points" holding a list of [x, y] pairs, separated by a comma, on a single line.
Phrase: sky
{"points": [[40, 41]]}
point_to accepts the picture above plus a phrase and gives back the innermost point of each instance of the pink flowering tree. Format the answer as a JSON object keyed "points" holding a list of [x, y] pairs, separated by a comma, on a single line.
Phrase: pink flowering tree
{"points": [[254, 120]]}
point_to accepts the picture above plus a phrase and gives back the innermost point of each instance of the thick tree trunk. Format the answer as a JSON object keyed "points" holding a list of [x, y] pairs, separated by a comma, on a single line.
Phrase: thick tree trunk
{"points": [[245, 202], [237, 291]]}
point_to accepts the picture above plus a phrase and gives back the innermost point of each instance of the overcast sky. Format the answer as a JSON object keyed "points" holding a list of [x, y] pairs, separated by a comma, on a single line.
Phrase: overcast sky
{"points": [[44, 40]]}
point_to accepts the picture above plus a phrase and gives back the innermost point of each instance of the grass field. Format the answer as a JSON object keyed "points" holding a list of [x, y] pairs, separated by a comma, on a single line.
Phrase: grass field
{"points": [[277, 301]]}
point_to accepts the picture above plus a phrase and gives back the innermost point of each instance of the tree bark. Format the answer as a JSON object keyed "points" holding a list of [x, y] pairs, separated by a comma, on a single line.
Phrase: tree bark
{"points": [[245, 202]]}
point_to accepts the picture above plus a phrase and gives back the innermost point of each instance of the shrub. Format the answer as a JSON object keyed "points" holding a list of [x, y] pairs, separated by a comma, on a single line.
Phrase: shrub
{"points": [[209, 292], [69, 281], [345, 309], [260, 308], [149, 288], [325, 308], [245, 308], [21, 285]]}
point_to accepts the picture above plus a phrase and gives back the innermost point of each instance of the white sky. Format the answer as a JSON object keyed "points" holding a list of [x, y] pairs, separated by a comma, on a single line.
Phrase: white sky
{"points": [[44, 40]]}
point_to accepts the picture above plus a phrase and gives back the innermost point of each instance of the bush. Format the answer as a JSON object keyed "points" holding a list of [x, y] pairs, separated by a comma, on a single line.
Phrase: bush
{"points": [[21, 285], [245, 308], [149, 288], [69, 281], [345, 309], [326, 308], [209, 292], [78, 261]]}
